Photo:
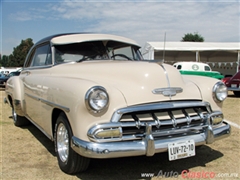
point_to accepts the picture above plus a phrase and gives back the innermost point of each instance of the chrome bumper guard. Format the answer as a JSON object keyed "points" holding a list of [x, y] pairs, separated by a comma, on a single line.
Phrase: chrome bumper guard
{"points": [[147, 145], [233, 89]]}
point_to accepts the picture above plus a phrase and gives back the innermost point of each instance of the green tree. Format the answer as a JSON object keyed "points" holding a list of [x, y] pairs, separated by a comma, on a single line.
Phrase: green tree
{"points": [[193, 37], [17, 58], [4, 61]]}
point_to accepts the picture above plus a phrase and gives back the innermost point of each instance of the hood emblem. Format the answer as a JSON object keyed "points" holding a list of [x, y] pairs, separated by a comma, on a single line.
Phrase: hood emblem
{"points": [[170, 91]]}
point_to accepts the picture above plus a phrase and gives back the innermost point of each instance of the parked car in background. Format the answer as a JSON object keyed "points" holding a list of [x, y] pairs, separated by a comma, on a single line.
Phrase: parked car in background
{"points": [[94, 96], [197, 68], [8, 70], [4, 78], [233, 83]]}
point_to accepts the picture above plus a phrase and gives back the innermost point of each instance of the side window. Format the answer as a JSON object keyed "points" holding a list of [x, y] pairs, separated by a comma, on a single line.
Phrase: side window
{"points": [[42, 56], [179, 67], [125, 51], [206, 68]]}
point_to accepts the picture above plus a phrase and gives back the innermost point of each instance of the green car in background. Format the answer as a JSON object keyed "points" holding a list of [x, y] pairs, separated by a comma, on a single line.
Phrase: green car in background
{"points": [[197, 68]]}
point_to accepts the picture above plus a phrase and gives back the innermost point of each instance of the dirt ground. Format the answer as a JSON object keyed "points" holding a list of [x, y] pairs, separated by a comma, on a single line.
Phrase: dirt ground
{"points": [[27, 154]]}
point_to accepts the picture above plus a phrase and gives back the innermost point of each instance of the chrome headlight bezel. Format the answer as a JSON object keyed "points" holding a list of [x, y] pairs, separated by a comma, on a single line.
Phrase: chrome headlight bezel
{"points": [[96, 99], [220, 92]]}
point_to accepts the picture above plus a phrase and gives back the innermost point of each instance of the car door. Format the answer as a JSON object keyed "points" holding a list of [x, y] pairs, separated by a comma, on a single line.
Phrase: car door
{"points": [[32, 76]]}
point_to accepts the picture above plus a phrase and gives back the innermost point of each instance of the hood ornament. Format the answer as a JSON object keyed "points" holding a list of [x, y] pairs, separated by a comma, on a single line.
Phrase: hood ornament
{"points": [[169, 91]]}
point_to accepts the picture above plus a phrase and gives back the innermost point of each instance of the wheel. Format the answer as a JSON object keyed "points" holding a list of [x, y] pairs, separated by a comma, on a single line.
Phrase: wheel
{"points": [[69, 161], [236, 93], [19, 120]]}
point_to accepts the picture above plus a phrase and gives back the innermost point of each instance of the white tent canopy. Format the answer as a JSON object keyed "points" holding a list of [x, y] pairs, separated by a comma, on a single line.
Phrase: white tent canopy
{"points": [[208, 52]]}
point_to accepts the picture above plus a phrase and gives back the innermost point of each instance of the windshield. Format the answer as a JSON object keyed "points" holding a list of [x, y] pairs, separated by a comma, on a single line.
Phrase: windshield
{"points": [[96, 50]]}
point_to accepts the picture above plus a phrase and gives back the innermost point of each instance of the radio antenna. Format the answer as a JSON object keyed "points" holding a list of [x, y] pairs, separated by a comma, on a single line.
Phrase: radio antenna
{"points": [[164, 43]]}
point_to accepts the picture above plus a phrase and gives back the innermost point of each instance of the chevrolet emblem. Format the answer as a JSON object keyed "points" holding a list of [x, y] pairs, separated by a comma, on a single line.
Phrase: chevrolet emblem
{"points": [[170, 91]]}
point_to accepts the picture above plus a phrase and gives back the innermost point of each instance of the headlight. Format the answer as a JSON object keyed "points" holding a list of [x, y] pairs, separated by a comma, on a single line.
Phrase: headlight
{"points": [[96, 99], [220, 92]]}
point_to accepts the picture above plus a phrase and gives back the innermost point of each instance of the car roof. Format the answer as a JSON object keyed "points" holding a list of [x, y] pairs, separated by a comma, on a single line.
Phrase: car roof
{"points": [[68, 38], [48, 38], [190, 62]]}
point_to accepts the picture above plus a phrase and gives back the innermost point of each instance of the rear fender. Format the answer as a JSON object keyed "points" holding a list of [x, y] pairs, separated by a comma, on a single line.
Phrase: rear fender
{"points": [[15, 94]]}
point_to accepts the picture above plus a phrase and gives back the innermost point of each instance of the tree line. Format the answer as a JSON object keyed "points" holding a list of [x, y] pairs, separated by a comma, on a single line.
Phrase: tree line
{"points": [[17, 58]]}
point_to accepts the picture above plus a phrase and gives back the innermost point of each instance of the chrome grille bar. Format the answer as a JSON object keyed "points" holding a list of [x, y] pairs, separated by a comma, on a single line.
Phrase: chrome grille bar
{"points": [[163, 119], [159, 106]]}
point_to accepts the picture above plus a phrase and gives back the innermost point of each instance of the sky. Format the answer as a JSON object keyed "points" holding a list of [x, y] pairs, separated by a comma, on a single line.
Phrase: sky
{"points": [[140, 20]]}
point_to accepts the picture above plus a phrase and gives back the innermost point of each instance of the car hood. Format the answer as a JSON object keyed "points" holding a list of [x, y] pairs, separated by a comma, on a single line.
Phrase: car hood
{"points": [[138, 81]]}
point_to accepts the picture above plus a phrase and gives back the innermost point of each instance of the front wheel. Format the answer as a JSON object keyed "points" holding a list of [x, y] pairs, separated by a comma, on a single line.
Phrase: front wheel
{"points": [[69, 161], [19, 120]]}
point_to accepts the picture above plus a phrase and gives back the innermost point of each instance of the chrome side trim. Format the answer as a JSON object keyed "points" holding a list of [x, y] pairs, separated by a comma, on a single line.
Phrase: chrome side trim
{"points": [[54, 105], [33, 97], [66, 109]]}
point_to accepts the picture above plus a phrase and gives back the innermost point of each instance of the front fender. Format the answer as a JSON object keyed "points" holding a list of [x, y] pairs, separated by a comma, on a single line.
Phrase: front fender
{"points": [[205, 85], [70, 94]]}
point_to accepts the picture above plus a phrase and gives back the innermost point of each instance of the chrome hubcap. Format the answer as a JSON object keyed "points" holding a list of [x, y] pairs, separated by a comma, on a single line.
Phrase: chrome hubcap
{"points": [[14, 115], [62, 142]]}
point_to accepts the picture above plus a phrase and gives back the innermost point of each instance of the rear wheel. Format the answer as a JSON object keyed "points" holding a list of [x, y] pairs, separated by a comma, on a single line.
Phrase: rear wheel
{"points": [[19, 120], [236, 93], [69, 161]]}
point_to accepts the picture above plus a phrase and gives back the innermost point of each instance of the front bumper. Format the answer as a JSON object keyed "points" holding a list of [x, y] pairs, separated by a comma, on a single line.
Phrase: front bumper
{"points": [[147, 146], [233, 88]]}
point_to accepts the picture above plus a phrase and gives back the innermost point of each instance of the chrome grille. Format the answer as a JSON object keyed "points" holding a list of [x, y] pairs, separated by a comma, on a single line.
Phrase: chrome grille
{"points": [[165, 122]]}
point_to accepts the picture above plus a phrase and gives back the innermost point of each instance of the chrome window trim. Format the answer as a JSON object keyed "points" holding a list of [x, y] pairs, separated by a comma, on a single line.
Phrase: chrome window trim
{"points": [[37, 67], [28, 61]]}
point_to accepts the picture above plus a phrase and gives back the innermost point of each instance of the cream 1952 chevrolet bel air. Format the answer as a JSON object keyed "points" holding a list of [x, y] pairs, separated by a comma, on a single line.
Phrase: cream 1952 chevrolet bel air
{"points": [[95, 97]]}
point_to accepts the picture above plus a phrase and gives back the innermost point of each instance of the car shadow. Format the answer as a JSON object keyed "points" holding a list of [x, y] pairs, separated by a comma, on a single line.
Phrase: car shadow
{"points": [[47, 143], [134, 167], [232, 96]]}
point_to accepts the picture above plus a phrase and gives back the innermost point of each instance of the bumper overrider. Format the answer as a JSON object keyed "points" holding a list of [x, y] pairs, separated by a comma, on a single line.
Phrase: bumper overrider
{"points": [[233, 88], [122, 137]]}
